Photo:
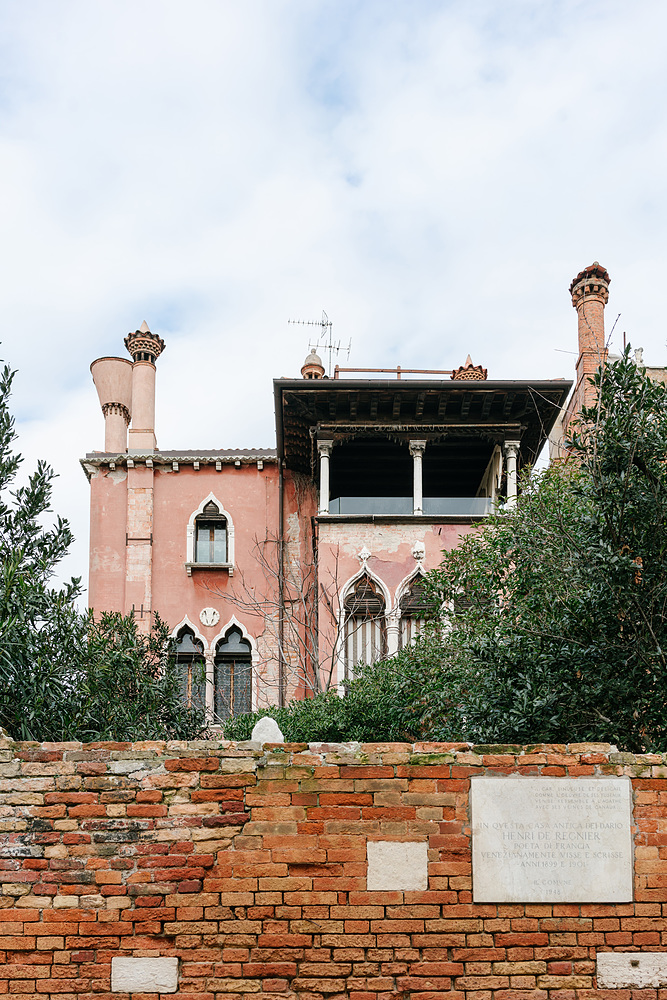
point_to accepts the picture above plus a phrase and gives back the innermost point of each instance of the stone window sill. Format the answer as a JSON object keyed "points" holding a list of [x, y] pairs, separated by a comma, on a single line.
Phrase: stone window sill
{"points": [[228, 567]]}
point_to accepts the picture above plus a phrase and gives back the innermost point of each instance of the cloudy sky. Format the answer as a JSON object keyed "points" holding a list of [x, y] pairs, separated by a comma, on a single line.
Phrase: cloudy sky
{"points": [[432, 173]]}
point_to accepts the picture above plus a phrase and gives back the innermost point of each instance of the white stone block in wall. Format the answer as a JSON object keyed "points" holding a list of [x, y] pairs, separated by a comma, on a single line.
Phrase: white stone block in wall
{"points": [[144, 975], [393, 866], [631, 970], [267, 730]]}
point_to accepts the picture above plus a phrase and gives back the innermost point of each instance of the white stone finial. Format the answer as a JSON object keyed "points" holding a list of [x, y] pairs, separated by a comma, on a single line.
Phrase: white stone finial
{"points": [[418, 551], [639, 357], [144, 327], [364, 555], [267, 730]]}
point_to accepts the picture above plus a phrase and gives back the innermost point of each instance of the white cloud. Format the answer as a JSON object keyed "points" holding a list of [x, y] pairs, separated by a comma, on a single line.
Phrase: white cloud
{"points": [[432, 174]]}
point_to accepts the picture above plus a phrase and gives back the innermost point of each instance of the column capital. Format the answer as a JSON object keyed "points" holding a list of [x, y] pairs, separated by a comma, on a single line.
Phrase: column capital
{"points": [[417, 447], [324, 447], [511, 448]]}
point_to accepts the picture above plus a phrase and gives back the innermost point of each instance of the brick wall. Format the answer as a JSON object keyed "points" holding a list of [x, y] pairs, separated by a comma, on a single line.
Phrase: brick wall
{"points": [[249, 865]]}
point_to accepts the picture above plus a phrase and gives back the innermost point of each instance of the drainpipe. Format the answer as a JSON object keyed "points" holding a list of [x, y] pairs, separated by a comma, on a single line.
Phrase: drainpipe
{"points": [[316, 603], [281, 594]]}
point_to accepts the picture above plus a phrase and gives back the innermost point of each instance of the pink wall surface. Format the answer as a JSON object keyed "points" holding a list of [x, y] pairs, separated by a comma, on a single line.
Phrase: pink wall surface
{"points": [[161, 504], [398, 550], [127, 569], [108, 525], [250, 499]]}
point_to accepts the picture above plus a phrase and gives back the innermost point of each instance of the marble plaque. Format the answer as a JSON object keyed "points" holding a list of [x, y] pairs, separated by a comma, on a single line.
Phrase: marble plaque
{"points": [[548, 840]]}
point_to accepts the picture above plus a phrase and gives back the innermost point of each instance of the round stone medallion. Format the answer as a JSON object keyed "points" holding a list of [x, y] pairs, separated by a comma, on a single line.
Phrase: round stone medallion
{"points": [[209, 617]]}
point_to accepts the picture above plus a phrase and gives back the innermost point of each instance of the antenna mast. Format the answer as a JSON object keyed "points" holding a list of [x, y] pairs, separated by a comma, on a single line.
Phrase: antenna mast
{"points": [[331, 346]]}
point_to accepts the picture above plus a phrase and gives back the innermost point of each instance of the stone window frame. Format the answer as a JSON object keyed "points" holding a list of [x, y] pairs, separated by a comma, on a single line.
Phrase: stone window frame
{"points": [[191, 535], [209, 647], [234, 623], [397, 615], [344, 592]]}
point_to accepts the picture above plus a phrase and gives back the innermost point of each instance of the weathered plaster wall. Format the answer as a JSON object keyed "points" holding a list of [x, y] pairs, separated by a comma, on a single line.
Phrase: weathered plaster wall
{"points": [[251, 865], [108, 527], [250, 496], [139, 521], [391, 547], [397, 552]]}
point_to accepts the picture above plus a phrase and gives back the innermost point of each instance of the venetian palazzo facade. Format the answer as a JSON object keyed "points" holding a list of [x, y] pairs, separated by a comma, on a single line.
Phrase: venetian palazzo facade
{"points": [[279, 569]]}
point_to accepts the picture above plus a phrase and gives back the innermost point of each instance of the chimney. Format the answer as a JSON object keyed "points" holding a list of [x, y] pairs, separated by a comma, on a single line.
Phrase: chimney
{"points": [[113, 381], [590, 294], [312, 366], [145, 347]]}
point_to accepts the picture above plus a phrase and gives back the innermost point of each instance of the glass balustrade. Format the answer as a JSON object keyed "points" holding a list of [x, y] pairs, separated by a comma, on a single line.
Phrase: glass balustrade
{"points": [[451, 506]]}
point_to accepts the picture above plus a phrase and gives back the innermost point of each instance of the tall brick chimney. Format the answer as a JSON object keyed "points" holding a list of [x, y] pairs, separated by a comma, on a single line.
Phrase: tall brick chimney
{"points": [[590, 294]]}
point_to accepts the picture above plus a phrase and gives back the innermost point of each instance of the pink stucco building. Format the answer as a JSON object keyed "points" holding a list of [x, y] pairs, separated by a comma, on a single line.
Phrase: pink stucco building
{"points": [[280, 568]]}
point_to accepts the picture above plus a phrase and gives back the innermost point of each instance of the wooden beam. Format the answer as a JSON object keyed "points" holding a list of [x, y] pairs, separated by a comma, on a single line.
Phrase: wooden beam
{"points": [[509, 400], [486, 407], [421, 398]]}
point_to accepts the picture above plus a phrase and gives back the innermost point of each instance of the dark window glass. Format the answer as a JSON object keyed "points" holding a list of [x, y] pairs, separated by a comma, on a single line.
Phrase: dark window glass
{"points": [[211, 536], [365, 630], [233, 675], [189, 658], [416, 602]]}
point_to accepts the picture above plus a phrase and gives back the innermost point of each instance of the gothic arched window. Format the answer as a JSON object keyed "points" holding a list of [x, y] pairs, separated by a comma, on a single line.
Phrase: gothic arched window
{"points": [[189, 657], [364, 627], [415, 605], [233, 675], [210, 535]]}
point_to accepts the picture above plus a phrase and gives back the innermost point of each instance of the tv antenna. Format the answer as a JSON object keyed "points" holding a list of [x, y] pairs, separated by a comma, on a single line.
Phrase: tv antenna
{"points": [[328, 344]]}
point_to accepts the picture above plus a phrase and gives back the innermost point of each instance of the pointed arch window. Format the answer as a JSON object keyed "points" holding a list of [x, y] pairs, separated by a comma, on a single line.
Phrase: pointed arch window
{"points": [[211, 536], [365, 625], [415, 606], [233, 675], [189, 658]]}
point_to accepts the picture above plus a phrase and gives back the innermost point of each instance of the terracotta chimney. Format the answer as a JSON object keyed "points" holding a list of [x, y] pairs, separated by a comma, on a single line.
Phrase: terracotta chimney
{"points": [[312, 366], [590, 294], [113, 381], [145, 347]]}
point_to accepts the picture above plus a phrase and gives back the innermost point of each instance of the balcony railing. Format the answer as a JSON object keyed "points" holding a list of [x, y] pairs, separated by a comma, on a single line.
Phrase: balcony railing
{"points": [[450, 506]]}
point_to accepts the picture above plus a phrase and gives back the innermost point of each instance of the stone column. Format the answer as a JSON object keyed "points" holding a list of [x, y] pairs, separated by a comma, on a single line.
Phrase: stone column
{"points": [[324, 451], [417, 451], [209, 660], [511, 455], [393, 632]]}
